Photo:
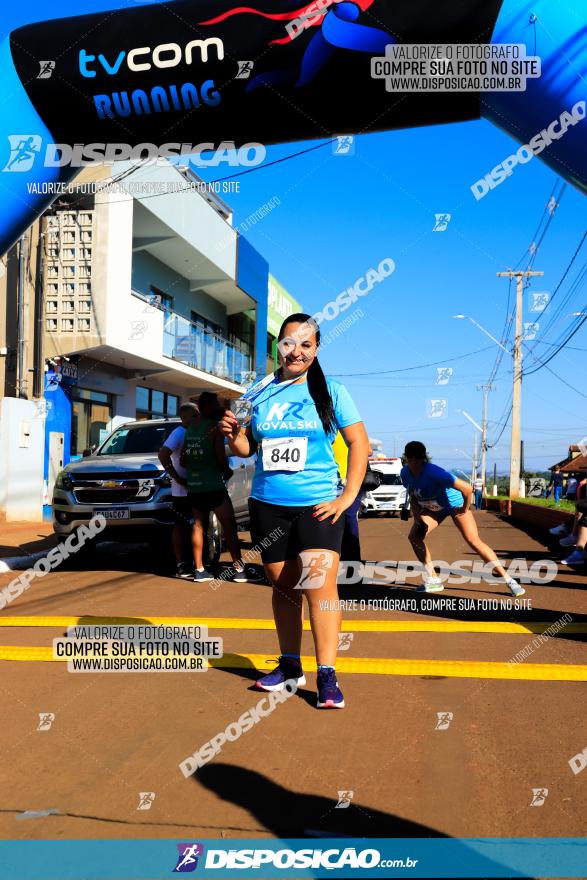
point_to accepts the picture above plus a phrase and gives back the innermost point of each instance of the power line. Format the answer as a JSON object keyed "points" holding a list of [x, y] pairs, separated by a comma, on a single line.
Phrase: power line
{"points": [[189, 188], [419, 367], [505, 424], [564, 275], [561, 346], [275, 161], [548, 214], [504, 337]]}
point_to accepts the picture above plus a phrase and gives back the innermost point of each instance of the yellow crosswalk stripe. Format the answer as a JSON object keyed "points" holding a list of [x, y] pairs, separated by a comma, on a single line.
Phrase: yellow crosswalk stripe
{"points": [[368, 666], [350, 625]]}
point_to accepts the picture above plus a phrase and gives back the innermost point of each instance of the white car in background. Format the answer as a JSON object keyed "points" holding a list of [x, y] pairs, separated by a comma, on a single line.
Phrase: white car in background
{"points": [[390, 496]]}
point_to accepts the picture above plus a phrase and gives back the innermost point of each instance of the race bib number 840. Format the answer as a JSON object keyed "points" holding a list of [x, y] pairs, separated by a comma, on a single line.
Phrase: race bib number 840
{"points": [[285, 454]]}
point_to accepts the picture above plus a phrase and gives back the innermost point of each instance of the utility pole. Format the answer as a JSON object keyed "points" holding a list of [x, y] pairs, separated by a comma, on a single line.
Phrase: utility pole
{"points": [[517, 389], [486, 389], [475, 459]]}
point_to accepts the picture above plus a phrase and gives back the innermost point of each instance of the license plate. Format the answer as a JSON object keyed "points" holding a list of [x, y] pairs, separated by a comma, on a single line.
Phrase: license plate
{"points": [[388, 505], [113, 513]]}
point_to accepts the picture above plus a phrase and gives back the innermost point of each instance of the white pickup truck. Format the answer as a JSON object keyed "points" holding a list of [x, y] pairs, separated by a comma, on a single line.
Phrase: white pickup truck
{"points": [[390, 496]]}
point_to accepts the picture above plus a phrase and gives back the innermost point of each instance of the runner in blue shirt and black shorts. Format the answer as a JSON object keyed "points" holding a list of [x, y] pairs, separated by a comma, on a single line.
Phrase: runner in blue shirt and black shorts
{"points": [[436, 494], [297, 501]]}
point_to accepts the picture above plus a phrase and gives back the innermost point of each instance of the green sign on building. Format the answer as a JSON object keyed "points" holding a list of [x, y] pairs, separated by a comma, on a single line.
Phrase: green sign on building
{"points": [[280, 304]]}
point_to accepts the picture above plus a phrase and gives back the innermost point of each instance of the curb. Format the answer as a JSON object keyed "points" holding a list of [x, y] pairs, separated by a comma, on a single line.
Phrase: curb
{"points": [[18, 563]]}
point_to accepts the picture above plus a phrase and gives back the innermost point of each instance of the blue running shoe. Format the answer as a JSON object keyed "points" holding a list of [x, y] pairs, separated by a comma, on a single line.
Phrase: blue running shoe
{"points": [[329, 694], [284, 671], [201, 577]]}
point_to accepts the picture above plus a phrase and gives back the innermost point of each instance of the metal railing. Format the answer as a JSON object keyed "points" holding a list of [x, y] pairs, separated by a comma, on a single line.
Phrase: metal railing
{"points": [[194, 345]]}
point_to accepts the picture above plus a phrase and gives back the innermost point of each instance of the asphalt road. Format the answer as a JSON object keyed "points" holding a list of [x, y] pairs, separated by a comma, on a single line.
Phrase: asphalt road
{"points": [[471, 773]]}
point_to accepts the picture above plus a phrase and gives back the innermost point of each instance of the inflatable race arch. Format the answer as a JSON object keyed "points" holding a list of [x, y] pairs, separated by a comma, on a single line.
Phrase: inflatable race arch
{"points": [[207, 71]]}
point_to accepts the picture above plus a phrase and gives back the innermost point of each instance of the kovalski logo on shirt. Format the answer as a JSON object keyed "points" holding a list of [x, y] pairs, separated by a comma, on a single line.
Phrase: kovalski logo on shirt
{"points": [[277, 411], [287, 417]]}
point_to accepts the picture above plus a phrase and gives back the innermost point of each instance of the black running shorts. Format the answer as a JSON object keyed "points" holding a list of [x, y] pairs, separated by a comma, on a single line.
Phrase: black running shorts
{"points": [[286, 531], [204, 502], [183, 510]]}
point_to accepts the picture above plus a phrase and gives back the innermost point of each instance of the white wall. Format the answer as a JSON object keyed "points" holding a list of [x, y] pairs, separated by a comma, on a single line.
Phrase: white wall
{"points": [[187, 213], [21, 466], [111, 276]]}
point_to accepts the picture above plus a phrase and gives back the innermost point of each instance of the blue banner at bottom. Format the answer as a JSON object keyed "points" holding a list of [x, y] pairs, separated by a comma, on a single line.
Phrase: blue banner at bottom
{"points": [[323, 857]]}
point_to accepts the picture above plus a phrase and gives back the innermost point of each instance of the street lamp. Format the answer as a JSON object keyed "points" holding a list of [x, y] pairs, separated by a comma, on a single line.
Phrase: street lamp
{"points": [[471, 419], [483, 330], [475, 458]]}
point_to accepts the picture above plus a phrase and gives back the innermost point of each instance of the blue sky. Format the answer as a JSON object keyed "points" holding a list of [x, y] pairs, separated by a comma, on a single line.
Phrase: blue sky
{"points": [[339, 215]]}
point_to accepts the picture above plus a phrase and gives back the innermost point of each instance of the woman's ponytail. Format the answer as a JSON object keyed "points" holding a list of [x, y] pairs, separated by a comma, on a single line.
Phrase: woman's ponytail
{"points": [[317, 385], [321, 396]]}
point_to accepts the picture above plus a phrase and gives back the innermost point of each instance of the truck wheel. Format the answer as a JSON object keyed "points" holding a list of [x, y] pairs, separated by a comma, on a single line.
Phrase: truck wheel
{"points": [[214, 541]]}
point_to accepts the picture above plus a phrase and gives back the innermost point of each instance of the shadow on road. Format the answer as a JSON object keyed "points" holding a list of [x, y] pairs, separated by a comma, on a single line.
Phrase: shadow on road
{"points": [[250, 672], [296, 814], [288, 813]]}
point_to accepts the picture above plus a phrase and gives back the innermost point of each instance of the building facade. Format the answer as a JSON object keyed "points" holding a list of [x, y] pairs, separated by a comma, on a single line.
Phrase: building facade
{"points": [[136, 298]]}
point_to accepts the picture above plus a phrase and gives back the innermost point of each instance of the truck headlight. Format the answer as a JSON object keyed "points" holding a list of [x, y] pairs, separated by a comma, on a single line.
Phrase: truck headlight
{"points": [[64, 480]]}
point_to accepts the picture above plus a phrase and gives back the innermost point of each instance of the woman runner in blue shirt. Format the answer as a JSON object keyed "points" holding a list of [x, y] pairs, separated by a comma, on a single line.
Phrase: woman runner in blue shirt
{"points": [[297, 501], [434, 495]]}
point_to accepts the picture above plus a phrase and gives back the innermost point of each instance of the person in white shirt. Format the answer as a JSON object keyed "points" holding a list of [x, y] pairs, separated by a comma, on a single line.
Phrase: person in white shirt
{"points": [[169, 456]]}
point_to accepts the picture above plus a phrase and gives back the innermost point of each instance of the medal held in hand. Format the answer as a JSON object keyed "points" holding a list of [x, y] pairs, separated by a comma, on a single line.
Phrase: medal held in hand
{"points": [[242, 410]]}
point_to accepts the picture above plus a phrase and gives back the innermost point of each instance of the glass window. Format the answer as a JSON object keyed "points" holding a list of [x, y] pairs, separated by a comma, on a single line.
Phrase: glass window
{"points": [[157, 402], [205, 324], [390, 479], [132, 441], [87, 421], [88, 394], [142, 398], [152, 404], [160, 299]]}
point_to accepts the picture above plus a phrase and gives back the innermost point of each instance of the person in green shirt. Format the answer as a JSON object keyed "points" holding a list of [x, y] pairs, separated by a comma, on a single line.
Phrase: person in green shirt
{"points": [[204, 458]]}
